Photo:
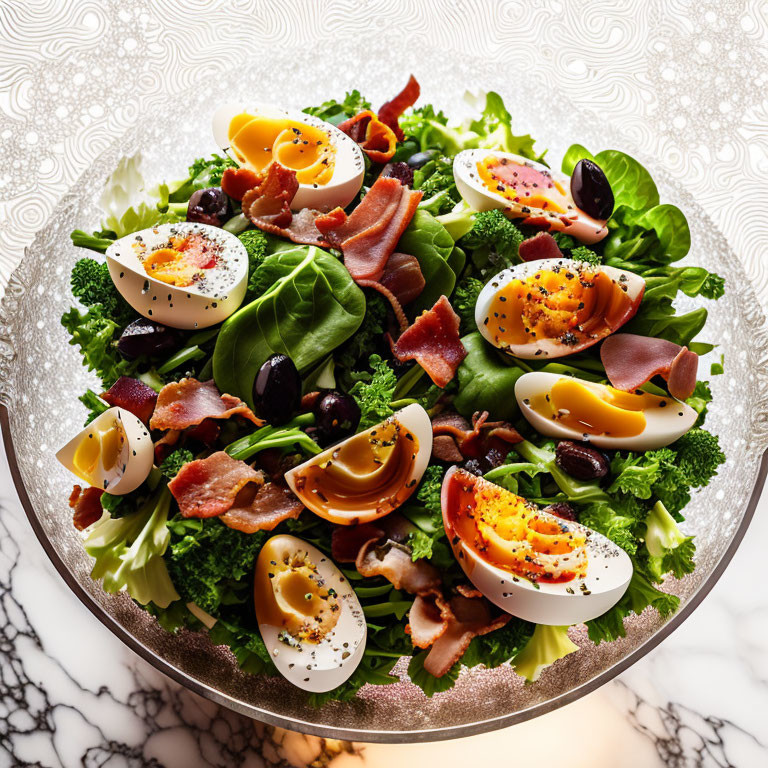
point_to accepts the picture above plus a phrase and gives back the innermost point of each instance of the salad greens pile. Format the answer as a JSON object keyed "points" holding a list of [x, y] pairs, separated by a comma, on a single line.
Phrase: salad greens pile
{"points": [[301, 300]]}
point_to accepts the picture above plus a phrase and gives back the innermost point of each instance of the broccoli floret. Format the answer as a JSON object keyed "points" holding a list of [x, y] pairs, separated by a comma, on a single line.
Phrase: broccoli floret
{"points": [[464, 301], [175, 461], [256, 246], [586, 255], [211, 563], [129, 552], [547, 645], [670, 550], [493, 240], [373, 392], [698, 456], [92, 284]]}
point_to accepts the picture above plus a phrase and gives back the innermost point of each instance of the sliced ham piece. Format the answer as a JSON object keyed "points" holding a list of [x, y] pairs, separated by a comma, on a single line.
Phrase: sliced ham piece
{"points": [[434, 342], [540, 246], [390, 112], [261, 507], [268, 206], [208, 487], [188, 402], [86, 505], [133, 395], [395, 564], [375, 138], [631, 360]]}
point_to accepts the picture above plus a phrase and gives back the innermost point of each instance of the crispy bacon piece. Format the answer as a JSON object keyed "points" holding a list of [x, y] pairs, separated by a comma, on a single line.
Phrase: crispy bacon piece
{"points": [[184, 403], [268, 206], [395, 564], [540, 246], [348, 540], [208, 487], [391, 111], [261, 508], [375, 138], [631, 360], [207, 431], [400, 315], [453, 625], [433, 341], [369, 235], [453, 436], [133, 395], [237, 181], [403, 277], [87, 506]]}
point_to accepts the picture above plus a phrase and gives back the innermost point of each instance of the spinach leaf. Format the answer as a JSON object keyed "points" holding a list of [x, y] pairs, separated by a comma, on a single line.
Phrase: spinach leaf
{"points": [[311, 306], [429, 241], [485, 382]]}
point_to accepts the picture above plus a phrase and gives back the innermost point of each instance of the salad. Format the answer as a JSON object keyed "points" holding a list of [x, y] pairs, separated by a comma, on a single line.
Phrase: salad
{"points": [[377, 385]]}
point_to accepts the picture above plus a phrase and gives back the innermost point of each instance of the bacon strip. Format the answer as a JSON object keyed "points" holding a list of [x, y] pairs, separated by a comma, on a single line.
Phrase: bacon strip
{"points": [[184, 403], [395, 564], [631, 360], [133, 395], [428, 619], [348, 540], [540, 246], [469, 618], [369, 235], [403, 277], [375, 138], [87, 506], [455, 440], [235, 182], [391, 110], [433, 341], [268, 206], [261, 508], [208, 487]]}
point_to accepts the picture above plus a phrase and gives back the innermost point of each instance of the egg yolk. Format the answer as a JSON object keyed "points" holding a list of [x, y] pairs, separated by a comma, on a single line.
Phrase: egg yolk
{"points": [[308, 150], [597, 409], [369, 471], [522, 184], [569, 304], [290, 593], [512, 533], [100, 444], [182, 261]]}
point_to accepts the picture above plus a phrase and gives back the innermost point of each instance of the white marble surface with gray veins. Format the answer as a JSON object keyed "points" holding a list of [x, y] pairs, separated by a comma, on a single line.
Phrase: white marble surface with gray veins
{"points": [[70, 693]]}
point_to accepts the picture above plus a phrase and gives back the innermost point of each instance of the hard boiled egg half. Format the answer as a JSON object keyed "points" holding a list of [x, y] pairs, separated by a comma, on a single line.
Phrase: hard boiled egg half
{"points": [[114, 452], [555, 307], [184, 275], [488, 179], [309, 617], [329, 165], [530, 563], [369, 474], [563, 406]]}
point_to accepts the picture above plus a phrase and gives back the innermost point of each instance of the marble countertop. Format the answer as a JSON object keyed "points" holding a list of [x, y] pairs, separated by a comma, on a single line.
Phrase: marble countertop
{"points": [[71, 694]]}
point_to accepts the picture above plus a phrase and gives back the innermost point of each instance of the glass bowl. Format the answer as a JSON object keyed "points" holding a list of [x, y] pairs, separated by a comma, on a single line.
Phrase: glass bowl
{"points": [[41, 376]]}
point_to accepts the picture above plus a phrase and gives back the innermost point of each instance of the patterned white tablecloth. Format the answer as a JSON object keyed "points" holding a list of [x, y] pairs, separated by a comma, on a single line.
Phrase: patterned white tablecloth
{"points": [[686, 82]]}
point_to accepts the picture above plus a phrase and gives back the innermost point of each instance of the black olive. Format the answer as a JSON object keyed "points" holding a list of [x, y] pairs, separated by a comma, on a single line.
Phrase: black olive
{"points": [[581, 461], [277, 390], [148, 338], [209, 206], [400, 171], [421, 158], [336, 416], [591, 191]]}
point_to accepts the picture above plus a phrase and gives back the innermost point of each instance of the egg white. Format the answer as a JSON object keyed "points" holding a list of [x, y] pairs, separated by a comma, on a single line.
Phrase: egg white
{"points": [[543, 348], [663, 425], [349, 167], [416, 420], [200, 305], [319, 667], [472, 189], [135, 460], [609, 571]]}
